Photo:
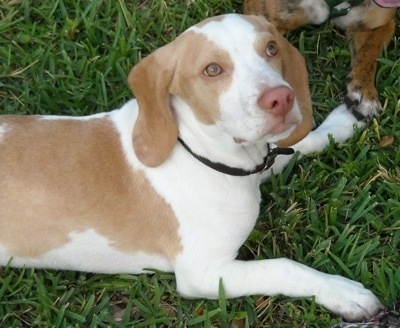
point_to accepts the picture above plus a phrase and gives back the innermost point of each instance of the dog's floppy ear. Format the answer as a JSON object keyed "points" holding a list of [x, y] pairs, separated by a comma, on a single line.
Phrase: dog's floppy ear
{"points": [[294, 72], [155, 132]]}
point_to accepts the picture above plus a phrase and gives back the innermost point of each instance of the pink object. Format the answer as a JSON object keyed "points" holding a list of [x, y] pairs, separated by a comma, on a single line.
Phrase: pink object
{"points": [[388, 3], [278, 101]]}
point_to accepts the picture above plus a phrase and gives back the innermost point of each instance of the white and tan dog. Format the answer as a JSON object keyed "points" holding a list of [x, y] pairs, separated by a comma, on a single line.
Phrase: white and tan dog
{"points": [[117, 192]]}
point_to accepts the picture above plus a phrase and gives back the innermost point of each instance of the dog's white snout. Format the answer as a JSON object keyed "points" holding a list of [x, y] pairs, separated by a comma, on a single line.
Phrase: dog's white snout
{"points": [[277, 101]]}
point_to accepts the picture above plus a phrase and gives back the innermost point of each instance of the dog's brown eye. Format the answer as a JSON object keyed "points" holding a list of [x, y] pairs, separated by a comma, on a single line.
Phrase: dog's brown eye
{"points": [[271, 49], [213, 70]]}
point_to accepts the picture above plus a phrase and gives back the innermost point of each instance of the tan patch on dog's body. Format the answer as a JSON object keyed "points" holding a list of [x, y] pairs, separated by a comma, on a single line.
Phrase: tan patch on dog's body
{"points": [[365, 17], [59, 176], [285, 15]]}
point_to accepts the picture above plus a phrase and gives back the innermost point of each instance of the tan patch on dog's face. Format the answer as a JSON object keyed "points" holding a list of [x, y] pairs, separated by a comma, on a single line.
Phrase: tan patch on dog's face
{"points": [[175, 69], [60, 176], [289, 63], [190, 81], [268, 36]]}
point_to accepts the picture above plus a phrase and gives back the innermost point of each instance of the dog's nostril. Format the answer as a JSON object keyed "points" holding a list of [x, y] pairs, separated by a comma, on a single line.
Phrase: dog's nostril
{"points": [[278, 101]]}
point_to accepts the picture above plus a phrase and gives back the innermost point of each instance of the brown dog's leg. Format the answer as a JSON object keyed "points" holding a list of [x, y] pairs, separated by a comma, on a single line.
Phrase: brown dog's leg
{"points": [[366, 47], [288, 15]]}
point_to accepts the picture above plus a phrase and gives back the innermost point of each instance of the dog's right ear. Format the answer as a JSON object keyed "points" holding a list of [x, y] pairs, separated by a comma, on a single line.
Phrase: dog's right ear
{"points": [[294, 72], [155, 132]]}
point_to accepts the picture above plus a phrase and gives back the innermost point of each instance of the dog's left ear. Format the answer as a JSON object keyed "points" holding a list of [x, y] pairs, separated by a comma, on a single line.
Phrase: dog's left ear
{"points": [[155, 132], [294, 72]]}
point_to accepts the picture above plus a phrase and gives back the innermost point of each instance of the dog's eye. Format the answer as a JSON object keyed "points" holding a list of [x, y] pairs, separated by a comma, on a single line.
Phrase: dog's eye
{"points": [[213, 70], [271, 49]]}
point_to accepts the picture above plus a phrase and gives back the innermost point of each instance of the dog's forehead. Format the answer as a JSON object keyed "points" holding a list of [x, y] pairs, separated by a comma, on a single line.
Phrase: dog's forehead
{"points": [[228, 31]]}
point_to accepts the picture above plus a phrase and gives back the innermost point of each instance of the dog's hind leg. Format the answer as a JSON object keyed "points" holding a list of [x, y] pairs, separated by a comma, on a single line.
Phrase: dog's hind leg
{"points": [[366, 47], [288, 15]]}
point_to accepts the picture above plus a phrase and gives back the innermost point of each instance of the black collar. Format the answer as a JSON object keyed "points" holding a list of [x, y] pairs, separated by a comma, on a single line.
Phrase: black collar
{"points": [[265, 165]]}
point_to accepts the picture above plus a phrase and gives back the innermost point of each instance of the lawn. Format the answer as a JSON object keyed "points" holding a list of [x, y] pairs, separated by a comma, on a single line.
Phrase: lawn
{"points": [[337, 211]]}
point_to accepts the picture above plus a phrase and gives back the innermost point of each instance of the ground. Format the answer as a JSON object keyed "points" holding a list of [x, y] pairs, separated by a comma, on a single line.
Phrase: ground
{"points": [[338, 211]]}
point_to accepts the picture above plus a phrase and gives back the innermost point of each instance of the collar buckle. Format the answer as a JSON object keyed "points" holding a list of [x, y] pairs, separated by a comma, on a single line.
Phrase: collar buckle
{"points": [[269, 160]]}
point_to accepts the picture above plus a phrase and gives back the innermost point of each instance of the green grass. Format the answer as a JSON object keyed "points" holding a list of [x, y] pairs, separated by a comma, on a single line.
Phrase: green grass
{"points": [[338, 211]]}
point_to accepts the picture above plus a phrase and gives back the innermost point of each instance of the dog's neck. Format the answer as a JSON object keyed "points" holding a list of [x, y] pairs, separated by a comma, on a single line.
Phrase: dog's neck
{"points": [[219, 151], [210, 142], [268, 161]]}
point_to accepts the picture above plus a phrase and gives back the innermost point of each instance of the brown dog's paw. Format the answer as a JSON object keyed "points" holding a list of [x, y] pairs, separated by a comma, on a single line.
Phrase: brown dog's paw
{"points": [[362, 107]]}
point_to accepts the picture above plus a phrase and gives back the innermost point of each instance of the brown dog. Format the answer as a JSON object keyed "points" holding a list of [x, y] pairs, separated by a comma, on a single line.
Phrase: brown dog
{"points": [[369, 24]]}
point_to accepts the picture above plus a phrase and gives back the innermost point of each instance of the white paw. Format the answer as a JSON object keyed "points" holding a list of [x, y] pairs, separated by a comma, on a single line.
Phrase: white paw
{"points": [[340, 124], [317, 11], [348, 298], [362, 107]]}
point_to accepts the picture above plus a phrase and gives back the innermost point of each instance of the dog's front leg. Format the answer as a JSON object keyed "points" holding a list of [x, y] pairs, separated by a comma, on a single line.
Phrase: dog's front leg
{"points": [[366, 47], [275, 277], [339, 124]]}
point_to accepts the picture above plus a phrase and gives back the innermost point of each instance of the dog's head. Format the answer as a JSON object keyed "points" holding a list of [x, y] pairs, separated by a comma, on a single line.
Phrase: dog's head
{"points": [[235, 72]]}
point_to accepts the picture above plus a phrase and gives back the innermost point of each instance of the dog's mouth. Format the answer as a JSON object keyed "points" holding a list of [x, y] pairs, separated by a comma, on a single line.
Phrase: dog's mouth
{"points": [[239, 140], [284, 127], [388, 3], [278, 132]]}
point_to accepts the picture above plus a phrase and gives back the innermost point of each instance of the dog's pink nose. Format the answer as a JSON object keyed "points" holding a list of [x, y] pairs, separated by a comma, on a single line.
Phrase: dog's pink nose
{"points": [[278, 101]]}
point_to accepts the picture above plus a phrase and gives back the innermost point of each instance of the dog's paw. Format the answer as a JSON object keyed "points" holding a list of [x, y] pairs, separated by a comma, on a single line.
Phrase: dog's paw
{"points": [[340, 123], [317, 12], [363, 108], [349, 299]]}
